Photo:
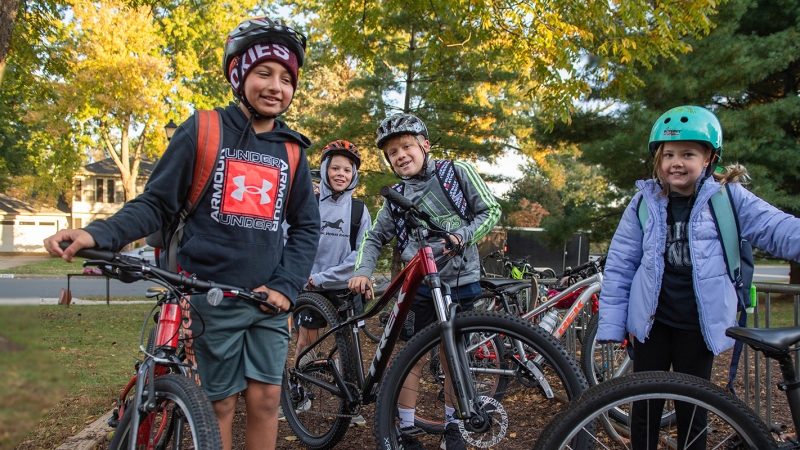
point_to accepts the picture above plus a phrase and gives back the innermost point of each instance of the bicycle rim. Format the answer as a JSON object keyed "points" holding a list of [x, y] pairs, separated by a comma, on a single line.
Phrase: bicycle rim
{"points": [[515, 420], [182, 419], [318, 417], [730, 423]]}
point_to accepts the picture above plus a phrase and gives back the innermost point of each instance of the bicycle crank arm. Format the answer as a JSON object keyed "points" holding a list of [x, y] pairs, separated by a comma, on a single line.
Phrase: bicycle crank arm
{"points": [[531, 370]]}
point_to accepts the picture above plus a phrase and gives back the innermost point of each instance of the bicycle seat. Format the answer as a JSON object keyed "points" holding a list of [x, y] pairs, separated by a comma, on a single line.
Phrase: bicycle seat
{"points": [[332, 286], [499, 283], [768, 340]]}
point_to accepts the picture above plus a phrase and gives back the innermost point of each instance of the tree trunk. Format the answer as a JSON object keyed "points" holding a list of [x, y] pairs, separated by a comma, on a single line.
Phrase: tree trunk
{"points": [[8, 14]]}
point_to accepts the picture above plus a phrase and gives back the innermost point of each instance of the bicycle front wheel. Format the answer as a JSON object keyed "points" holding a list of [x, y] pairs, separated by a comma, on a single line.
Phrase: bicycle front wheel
{"points": [[514, 414], [183, 418], [730, 423], [316, 413]]}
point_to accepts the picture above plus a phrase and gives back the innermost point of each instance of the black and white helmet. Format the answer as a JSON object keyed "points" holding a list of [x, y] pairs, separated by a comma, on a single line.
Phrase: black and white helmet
{"points": [[398, 124], [262, 30]]}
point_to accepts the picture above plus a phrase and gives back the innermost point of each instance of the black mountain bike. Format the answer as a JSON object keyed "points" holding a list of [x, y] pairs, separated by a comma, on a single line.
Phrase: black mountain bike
{"points": [[499, 392]]}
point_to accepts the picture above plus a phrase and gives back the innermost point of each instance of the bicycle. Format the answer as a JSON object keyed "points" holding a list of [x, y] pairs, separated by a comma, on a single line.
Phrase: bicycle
{"points": [[520, 269], [169, 408], [484, 273], [326, 385], [731, 423]]}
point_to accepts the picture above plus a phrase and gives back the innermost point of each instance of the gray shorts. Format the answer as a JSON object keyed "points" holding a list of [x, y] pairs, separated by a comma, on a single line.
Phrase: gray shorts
{"points": [[233, 342]]}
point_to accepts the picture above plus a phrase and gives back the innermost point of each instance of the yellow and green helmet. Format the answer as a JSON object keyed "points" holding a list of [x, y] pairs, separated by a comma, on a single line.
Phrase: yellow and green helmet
{"points": [[687, 123]]}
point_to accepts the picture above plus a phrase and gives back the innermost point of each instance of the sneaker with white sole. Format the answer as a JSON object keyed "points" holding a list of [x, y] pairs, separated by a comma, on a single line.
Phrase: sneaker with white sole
{"points": [[304, 407], [358, 421]]}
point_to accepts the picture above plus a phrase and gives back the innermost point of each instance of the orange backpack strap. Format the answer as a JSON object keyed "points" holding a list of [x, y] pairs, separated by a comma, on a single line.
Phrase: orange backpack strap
{"points": [[293, 152], [209, 141], [209, 144]]}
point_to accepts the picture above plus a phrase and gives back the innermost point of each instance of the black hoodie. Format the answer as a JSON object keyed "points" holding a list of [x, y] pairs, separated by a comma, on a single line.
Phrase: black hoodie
{"points": [[234, 236]]}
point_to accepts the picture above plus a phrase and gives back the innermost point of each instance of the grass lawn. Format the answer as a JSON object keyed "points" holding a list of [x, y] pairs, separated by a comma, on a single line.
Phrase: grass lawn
{"points": [[89, 352], [33, 379], [52, 266]]}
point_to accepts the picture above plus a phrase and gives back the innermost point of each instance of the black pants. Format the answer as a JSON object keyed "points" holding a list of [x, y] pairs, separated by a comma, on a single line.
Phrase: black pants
{"points": [[683, 351]]}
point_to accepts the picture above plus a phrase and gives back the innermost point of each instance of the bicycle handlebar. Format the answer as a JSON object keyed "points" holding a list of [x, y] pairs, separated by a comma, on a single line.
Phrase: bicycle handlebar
{"points": [[130, 269], [405, 204], [587, 265]]}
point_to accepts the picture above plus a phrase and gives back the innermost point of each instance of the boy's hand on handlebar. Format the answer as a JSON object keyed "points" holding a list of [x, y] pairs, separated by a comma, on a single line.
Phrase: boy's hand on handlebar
{"points": [[455, 243], [274, 298], [79, 237], [361, 285]]}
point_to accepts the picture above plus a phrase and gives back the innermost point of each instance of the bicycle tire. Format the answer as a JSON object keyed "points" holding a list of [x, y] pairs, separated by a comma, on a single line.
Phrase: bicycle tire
{"points": [[183, 418], [151, 340], [318, 417], [524, 400], [376, 334], [485, 302], [600, 362], [729, 417]]}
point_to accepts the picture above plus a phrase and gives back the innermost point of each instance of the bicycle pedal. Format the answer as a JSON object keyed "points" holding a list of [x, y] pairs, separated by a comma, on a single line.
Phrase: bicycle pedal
{"points": [[412, 431]]}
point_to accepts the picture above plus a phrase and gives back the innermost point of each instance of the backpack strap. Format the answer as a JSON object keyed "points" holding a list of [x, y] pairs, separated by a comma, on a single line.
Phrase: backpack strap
{"points": [[642, 212], [293, 154], [446, 174], [728, 228], [399, 220], [209, 144], [356, 212]]}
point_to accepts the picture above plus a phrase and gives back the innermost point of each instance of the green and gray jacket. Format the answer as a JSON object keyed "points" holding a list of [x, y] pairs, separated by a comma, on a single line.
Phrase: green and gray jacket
{"points": [[429, 195]]}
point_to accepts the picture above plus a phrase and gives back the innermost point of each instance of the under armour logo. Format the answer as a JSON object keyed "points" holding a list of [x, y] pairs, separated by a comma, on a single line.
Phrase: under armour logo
{"points": [[241, 189]]}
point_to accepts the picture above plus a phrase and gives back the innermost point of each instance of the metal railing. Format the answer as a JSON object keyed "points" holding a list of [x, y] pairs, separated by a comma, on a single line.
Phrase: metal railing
{"points": [[755, 382]]}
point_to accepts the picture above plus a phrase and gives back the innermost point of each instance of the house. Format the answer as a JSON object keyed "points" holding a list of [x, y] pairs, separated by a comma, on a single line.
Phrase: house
{"points": [[98, 192], [23, 227]]}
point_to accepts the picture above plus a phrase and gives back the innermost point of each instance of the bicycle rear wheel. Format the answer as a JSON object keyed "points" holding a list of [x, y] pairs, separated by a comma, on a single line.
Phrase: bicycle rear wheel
{"points": [[731, 424], [516, 419], [318, 417], [183, 419]]}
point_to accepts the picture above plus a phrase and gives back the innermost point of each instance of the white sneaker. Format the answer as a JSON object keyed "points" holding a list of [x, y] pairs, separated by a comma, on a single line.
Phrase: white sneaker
{"points": [[358, 421], [304, 407]]}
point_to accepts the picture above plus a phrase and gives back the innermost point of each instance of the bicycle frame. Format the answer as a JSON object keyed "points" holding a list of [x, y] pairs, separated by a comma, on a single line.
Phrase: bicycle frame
{"points": [[590, 287], [421, 268]]}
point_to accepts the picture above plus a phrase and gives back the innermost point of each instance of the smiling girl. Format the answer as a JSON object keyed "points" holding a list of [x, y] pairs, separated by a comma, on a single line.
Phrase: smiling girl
{"points": [[668, 284]]}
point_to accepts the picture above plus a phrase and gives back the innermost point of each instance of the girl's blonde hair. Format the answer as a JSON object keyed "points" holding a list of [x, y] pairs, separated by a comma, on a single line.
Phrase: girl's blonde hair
{"points": [[734, 173]]}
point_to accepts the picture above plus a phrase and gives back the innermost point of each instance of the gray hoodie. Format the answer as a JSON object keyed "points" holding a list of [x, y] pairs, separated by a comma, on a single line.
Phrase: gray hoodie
{"points": [[430, 195], [335, 259]]}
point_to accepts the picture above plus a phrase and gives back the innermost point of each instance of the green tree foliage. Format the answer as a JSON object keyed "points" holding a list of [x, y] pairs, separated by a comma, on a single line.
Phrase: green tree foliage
{"points": [[746, 70]]}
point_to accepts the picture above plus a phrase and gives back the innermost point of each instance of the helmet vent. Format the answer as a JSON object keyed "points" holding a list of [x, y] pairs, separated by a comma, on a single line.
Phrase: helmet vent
{"points": [[667, 120], [684, 119]]}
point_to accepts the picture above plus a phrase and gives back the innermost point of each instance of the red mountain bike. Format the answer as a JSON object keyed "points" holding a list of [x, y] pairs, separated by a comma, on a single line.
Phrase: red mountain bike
{"points": [[161, 406]]}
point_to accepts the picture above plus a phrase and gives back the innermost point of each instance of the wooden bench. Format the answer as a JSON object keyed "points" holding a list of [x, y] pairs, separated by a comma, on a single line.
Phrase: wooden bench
{"points": [[70, 275]]}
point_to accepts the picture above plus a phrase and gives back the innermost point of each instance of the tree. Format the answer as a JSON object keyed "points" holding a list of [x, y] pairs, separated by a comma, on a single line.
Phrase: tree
{"points": [[529, 214], [747, 70], [8, 13]]}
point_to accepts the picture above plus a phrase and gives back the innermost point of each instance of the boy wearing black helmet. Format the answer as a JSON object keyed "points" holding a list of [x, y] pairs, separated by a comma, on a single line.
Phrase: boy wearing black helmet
{"points": [[458, 200], [261, 178]]}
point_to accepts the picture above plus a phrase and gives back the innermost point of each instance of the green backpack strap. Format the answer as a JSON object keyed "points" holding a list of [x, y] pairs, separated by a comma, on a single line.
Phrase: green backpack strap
{"points": [[642, 212], [728, 228]]}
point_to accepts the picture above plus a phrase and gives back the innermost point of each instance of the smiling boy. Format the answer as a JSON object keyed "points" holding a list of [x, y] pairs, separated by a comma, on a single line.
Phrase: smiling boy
{"points": [[462, 205], [235, 236]]}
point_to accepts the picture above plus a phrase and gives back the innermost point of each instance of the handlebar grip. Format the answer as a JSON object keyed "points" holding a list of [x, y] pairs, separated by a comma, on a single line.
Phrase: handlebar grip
{"points": [[396, 198], [89, 253]]}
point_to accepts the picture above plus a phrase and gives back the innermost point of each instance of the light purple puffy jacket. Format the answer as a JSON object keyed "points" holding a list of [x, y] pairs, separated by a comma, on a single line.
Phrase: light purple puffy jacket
{"points": [[635, 265]]}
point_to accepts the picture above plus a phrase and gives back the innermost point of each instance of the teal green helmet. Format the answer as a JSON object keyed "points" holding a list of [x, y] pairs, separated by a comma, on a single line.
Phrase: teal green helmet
{"points": [[687, 123]]}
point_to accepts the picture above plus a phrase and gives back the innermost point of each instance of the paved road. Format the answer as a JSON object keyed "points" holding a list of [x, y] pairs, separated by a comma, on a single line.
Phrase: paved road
{"points": [[48, 288], [16, 290]]}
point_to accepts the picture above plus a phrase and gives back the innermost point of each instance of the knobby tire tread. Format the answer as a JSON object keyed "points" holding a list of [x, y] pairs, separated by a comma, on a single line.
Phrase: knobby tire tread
{"points": [[346, 354], [198, 411], [616, 390]]}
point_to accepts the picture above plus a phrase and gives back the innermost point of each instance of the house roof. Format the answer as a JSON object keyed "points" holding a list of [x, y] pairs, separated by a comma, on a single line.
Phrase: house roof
{"points": [[11, 205], [107, 167]]}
